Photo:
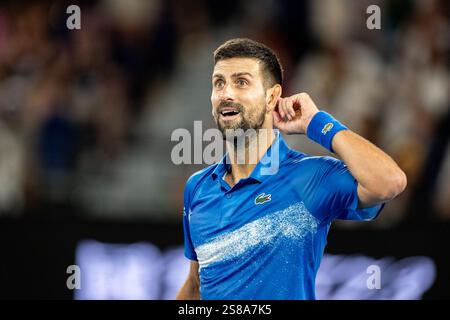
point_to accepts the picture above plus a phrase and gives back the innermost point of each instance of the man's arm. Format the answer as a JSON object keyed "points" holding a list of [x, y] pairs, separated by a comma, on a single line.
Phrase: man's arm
{"points": [[379, 178], [191, 288]]}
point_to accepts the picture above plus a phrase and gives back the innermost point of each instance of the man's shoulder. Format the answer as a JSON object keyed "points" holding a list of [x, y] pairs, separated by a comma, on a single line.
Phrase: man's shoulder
{"points": [[302, 160], [198, 177]]}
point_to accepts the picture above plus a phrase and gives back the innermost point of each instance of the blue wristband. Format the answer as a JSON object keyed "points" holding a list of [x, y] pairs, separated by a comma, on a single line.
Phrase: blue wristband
{"points": [[322, 128]]}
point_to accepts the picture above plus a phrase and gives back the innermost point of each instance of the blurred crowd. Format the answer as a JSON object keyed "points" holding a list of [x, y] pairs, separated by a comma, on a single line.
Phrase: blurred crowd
{"points": [[86, 115]]}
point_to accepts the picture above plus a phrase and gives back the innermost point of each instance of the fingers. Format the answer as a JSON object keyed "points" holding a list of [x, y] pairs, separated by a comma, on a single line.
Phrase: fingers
{"points": [[286, 108], [278, 121], [281, 109], [290, 108]]}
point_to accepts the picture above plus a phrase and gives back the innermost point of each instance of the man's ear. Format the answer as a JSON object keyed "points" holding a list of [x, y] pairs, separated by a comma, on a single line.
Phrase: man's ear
{"points": [[272, 96]]}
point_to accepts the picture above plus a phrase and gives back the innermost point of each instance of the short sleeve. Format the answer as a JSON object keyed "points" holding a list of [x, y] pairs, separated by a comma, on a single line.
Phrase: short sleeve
{"points": [[189, 251], [332, 192]]}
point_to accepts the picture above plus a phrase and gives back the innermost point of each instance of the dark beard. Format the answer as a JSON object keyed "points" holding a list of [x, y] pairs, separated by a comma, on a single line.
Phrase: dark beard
{"points": [[244, 123]]}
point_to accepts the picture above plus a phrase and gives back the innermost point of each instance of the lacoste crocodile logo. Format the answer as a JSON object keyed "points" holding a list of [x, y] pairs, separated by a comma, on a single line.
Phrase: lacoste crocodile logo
{"points": [[327, 128], [262, 198]]}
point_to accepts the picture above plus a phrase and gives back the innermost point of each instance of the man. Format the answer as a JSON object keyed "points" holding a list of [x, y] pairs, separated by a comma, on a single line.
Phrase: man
{"points": [[253, 233]]}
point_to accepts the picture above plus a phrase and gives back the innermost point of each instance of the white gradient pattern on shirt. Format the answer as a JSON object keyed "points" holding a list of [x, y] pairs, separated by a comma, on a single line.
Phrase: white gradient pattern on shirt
{"points": [[293, 222]]}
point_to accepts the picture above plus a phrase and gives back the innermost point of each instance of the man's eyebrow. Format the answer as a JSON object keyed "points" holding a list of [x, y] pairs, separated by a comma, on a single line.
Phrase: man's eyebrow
{"points": [[234, 75], [239, 74]]}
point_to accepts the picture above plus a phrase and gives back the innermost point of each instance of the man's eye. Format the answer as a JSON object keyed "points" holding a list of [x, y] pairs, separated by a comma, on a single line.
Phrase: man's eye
{"points": [[241, 82], [218, 84]]}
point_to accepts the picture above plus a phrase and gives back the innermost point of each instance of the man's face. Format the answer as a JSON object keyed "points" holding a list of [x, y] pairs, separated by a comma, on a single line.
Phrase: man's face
{"points": [[238, 94]]}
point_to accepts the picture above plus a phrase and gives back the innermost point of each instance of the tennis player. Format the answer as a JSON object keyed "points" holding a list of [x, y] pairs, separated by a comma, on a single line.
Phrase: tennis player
{"points": [[258, 230]]}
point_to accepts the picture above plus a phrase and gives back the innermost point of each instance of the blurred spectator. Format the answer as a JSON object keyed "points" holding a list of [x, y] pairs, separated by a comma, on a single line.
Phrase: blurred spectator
{"points": [[11, 171]]}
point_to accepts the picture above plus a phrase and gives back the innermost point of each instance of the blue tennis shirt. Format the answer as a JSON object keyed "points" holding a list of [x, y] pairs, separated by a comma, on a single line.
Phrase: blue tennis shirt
{"points": [[265, 237]]}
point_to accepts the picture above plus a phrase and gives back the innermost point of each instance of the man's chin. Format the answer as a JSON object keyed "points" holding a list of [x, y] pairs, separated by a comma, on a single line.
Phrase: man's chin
{"points": [[235, 133], [231, 126]]}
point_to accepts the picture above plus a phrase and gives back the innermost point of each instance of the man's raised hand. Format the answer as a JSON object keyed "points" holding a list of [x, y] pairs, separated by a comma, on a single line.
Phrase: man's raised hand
{"points": [[293, 114]]}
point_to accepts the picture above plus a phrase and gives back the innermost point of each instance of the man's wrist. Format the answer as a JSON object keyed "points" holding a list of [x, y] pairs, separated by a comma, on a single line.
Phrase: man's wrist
{"points": [[322, 128]]}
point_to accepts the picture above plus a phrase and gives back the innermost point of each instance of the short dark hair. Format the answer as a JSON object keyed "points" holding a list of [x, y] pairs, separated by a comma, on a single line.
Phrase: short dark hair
{"points": [[247, 48]]}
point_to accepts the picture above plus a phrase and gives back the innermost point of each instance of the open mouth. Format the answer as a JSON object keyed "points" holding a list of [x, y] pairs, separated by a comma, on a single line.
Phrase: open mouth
{"points": [[229, 114]]}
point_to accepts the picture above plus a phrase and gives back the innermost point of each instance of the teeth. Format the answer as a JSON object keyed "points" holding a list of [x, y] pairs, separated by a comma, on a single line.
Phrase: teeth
{"points": [[229, 113]]}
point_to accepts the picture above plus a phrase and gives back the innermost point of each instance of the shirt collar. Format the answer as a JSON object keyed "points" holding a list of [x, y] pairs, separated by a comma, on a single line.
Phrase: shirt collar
{"points": [[267, 166]]}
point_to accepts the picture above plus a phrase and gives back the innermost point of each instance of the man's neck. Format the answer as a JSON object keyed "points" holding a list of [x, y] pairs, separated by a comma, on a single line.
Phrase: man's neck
{"points": [[244, 158]]}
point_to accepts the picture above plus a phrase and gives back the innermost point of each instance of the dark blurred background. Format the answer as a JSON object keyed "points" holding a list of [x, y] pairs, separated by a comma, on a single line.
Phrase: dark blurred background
{"points": [[86, 118]]}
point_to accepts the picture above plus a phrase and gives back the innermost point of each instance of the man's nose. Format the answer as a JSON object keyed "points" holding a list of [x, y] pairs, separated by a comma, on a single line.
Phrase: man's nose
{"points": [[227, 93]]}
